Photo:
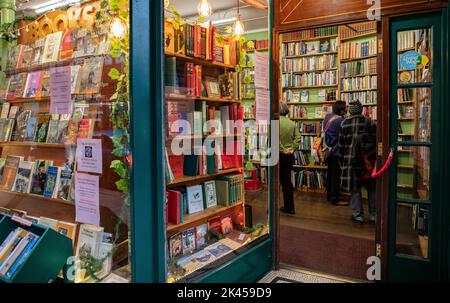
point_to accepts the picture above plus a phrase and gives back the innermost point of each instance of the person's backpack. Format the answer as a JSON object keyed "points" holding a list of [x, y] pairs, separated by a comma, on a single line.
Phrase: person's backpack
{"points": [[326, 150], [363, 151]]}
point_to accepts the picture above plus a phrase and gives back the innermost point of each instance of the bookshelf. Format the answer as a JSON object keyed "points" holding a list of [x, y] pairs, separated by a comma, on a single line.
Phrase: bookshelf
{"points": [[349, 63]]}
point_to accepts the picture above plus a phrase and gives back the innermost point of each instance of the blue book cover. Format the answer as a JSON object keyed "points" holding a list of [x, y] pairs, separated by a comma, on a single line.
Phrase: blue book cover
{"points": [[22, 257], [30, 132], [50, 183]]}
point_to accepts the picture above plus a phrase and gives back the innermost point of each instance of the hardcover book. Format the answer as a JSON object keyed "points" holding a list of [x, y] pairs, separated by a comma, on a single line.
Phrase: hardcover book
{"points": [[53, 175], [26, 57], [43, 121], [175, 245], [75, 78], [5, 110], [64, 183], [22, 184], [91, 75], [188, 239], [16, 86], [200, 235], [67, 229], [67, 45], [40, 176], [194, 198], [38, 50], [21, 125], [210, 193], [30, 132], [13, 57], [51, 47], [45, 87], [52, 134], [33, 85], [9, 172]]}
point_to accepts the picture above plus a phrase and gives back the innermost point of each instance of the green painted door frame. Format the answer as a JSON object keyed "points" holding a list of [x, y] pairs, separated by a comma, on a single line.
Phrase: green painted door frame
{"points": [[148, 187], [405, 268]]}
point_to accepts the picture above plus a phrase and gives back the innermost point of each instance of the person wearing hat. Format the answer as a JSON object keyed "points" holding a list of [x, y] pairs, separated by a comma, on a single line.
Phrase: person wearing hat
{"points": [[352, 129], [289, 142]]}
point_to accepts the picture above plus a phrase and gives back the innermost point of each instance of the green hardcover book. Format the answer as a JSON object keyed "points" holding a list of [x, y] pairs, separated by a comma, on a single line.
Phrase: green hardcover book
{"points": [[222, 191]]}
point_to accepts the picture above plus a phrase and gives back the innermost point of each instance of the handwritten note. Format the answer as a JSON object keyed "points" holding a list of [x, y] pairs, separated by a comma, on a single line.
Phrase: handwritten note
{"points": [[89, 155], [60, 90], [262, 100], [87, 201], [261, 64]]}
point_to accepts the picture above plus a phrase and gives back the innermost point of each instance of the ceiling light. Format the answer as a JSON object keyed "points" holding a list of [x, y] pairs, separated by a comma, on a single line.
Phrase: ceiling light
{"points": [[204, 8], [238, 26]]}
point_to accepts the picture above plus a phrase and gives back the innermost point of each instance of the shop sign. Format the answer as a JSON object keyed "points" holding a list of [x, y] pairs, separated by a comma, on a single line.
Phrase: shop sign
{"points": [[409, 60]]}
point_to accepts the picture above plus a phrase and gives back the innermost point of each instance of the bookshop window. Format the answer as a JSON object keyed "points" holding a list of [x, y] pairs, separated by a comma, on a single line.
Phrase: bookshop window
{"points": [[64, 141], [216, 93]]}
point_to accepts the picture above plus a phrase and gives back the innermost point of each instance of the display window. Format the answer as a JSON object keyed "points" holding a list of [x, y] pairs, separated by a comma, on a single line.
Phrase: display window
{"points": [[65, 154], [217, 124]]}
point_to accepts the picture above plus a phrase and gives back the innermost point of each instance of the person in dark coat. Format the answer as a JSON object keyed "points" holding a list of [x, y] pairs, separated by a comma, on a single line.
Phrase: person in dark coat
{"points": [[355, 128]]}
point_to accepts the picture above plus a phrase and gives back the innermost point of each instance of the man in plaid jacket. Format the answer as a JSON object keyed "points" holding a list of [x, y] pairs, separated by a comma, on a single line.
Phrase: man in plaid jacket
{"points": [[351, 127]]}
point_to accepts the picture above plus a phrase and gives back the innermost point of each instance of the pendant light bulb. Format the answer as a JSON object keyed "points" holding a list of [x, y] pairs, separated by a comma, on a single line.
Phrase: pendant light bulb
{"points": [[204, 8], [166, 4], [238, 26], [117, 28]]}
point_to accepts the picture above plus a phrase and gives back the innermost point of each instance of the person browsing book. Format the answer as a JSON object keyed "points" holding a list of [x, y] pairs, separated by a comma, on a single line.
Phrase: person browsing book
{"points": [[289, 142], [331, 127]]}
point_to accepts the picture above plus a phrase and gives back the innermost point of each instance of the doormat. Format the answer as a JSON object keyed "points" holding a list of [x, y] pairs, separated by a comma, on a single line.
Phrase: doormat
{"points": [[283, 280]]}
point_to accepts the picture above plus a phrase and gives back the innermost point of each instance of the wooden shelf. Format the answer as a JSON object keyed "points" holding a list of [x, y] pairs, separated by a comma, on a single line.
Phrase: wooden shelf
{"points": [[305, 134], [201, 216], [406, 102], [367, 105], [406, 49], [200, 61], [311, 55], [95, 96], [45, 66], [310, 71], [311, 39], [311, 166], [198, 179], [310, 87], [357, 59], [310, 119], [406, 135], [407, 186], [406, 166], [38, 197], [310, 103], [207, 99], [35, 144], [257, 50], [404, 151], [358, 90], [359, 36], [356, 76], [405, 119]]}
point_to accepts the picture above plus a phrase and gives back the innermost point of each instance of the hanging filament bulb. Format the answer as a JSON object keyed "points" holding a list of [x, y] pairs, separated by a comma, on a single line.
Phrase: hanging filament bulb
{"points": [[166, 4], [238, 26], [204, 8]]}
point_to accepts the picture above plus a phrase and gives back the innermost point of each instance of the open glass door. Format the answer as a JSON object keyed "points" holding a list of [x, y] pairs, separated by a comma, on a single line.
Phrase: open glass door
{"points": [[415, 105]]}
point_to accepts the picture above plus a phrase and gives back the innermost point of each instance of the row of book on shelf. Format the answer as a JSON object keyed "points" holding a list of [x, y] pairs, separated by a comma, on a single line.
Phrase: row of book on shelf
{"points": [[90, 240], [311, 179], [224, 190], [365, 97], [59, 46], [257, 44], [356, 29], [359, 83], [303, 96], [310, 33], [188, 79], [310, 47], [198, 246], [326, 78], [200, 41], [359, 67], [40, 177], [309, 128], [86, 78], [18, 124], [299, 112], [307, 64], [354, 50], [407, 39]]}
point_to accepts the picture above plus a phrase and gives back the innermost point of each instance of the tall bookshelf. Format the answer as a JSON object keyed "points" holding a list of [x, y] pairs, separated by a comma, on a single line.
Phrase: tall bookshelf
{"points": [[319, 66]]}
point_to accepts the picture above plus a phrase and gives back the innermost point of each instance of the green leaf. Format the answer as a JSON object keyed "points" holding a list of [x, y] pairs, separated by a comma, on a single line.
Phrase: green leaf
{"points": [[122, 186], [114, 73]]}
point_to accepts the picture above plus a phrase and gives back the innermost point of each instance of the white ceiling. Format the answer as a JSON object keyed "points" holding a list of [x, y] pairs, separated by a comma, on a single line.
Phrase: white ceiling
{"points": [[254, 19]]}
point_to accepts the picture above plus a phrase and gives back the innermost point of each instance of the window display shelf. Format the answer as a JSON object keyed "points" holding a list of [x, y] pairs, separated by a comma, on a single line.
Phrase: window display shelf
{"points": [[200, 61], [193, 219], [37, 197], [212, 100], [185, 180], [36, 144]]}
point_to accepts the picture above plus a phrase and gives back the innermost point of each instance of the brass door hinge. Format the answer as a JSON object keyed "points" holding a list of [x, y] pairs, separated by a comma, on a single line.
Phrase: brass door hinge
{"points": [[378, 247], [380, 149], [380, 46]]}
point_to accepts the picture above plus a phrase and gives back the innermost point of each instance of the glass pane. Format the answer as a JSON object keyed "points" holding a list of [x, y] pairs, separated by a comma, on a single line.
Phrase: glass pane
{"points": [[412, 228], [413, 172], [415, 56], [414, 114], [216, 200]]}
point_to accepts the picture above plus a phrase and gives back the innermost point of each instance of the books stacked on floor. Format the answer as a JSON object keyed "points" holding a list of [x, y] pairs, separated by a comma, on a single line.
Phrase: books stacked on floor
{"points": [[308, 64], [59, 46], [198, 246], [38, 177], [308, 179], [15, 249], [355, 50], [223, 191], [359, 83], [357, 29], [310, 33], [195, 40]]}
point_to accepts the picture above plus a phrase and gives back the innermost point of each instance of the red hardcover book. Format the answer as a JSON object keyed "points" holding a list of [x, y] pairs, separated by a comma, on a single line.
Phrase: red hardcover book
{"points": [[176, 164], [67, 45], [213, 43], [203, 42], [211, 119], [215, 224], [173, 206], [198, 80]]}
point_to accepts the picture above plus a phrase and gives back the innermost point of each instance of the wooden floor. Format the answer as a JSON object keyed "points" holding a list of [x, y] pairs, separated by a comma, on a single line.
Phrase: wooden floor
{"points": [[313, 212]]}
